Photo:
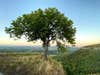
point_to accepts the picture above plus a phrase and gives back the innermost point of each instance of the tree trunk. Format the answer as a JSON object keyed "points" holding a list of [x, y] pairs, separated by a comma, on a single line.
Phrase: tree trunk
{"points": [[46, 52]]}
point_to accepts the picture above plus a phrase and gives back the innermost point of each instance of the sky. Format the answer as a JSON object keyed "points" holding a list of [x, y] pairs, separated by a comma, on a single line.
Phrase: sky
{"points": [[84, 13]]}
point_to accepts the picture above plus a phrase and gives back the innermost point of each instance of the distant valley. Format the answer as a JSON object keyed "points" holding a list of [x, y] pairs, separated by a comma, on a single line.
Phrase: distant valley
{"points": [[53, 49]]}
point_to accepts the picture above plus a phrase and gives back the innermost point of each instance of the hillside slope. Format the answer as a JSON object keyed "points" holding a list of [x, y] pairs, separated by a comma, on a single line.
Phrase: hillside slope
{"points": [[28, 64], [85, 61], [92, 46]]}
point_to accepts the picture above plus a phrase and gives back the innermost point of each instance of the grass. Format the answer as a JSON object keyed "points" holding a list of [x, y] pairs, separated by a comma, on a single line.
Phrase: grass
{"points": [[28, 64], [81, 62]]}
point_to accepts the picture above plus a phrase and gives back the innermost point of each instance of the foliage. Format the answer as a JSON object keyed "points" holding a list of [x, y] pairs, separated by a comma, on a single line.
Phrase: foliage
{"points": [[61, 48], [45, 25], [81, 62]]}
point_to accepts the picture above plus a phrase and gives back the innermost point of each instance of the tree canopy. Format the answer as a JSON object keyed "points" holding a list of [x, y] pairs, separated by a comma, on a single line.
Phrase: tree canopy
{"points": [[46, 25]]}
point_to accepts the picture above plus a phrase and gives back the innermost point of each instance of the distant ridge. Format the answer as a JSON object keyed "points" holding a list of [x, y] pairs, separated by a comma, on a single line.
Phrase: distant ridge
{"points": [[93, 45]]}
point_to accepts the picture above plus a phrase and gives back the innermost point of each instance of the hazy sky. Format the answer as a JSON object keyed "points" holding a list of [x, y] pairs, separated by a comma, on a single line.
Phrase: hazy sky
{"points": [[84, 13]]}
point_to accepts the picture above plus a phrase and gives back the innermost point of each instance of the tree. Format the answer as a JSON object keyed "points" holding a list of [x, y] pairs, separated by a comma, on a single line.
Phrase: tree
{"points": [[61, 48], [45, 25]]}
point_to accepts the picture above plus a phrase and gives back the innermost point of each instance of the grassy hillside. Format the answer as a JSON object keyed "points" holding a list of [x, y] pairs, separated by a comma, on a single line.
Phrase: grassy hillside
{"points": [[28, 64], [82, 62], [85, 61]]}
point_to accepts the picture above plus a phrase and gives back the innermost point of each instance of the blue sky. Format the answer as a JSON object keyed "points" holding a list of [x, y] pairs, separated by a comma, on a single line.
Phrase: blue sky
{"points": [[84, 13]]}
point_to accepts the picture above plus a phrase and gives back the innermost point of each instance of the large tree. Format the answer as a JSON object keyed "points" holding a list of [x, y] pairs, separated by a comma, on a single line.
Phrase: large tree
{"points": [[45, 25]]}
